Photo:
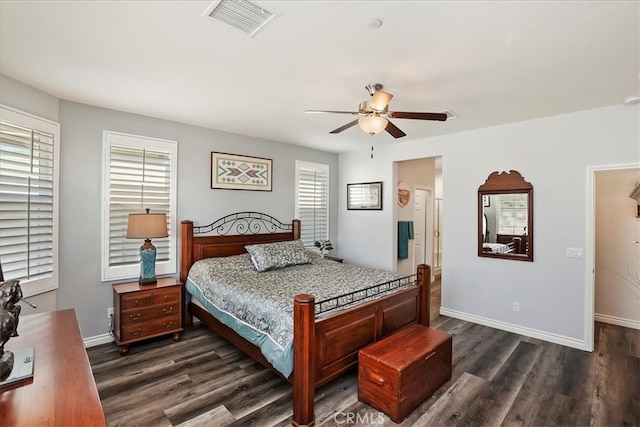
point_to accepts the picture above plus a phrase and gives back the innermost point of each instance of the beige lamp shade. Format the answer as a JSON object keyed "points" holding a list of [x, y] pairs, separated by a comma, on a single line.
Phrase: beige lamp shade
{"points": [[380, 100], [373, 124], [147, 226]]}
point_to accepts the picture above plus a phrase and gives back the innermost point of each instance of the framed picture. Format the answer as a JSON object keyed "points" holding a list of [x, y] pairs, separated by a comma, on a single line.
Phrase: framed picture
{"points": [[364, 196], [235, 172], [486, 201]]}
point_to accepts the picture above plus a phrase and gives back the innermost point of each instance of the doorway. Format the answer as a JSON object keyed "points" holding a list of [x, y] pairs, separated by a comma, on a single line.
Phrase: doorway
{"points": [[419, 185], [617, 249], [423, 227], [590, 243]]}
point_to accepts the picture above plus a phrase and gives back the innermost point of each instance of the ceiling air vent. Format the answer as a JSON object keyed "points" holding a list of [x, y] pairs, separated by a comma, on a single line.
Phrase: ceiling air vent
{"points": [[246, 16]]}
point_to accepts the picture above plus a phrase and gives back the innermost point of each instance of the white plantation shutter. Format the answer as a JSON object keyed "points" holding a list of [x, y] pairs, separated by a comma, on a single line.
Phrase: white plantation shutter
{"points": [[140, 173], [312, 201], [511, 212], [28, 200]]}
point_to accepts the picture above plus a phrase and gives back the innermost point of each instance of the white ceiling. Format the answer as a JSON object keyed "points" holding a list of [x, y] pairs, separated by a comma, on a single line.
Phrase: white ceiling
{"points": [[491, 62]]}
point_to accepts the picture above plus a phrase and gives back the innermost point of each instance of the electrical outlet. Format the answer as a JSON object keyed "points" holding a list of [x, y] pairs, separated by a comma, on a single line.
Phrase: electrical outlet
{"points": [[109, 312], [516, 306]]}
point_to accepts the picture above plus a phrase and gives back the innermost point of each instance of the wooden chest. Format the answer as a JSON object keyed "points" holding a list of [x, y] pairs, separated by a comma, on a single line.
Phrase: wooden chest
{"points": [[398, 372]]}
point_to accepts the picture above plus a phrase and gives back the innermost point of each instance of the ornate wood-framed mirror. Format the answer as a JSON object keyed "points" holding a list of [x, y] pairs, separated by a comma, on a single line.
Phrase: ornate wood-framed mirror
{"points": [[505, 217]]}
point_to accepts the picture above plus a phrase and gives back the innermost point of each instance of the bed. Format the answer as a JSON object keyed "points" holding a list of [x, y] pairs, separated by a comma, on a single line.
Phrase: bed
{"points": [[325, 338], [498, 248]]}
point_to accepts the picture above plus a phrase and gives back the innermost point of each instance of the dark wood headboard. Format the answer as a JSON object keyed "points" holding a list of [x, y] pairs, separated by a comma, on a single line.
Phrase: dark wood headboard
{"points": [[228, 236]]}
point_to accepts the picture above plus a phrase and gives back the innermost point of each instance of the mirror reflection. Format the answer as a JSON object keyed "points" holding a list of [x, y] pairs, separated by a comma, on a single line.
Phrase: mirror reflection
{"points": [[505, 217]]}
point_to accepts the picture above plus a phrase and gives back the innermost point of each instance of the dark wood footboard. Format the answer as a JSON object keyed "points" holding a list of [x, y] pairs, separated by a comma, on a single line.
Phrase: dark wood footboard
{"points": [[328, 347], [324, 348]]}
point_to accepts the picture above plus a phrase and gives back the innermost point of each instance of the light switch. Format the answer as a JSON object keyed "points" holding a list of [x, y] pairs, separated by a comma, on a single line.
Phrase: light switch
{"points": [[574, 252]]}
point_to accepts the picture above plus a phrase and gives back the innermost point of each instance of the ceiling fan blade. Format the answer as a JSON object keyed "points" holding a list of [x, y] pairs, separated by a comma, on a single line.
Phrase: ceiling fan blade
{"points": [[394, 130], [418, 116], [331, 111], [380, 100], [347, 126]]}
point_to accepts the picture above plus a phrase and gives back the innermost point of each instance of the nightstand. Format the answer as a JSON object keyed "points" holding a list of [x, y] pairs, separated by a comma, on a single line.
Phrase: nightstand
{"points": [[146, 311], [332, 258]]}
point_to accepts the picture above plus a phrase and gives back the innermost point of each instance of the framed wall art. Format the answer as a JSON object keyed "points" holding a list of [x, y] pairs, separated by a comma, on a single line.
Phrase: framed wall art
{"points": [[364, 196], [235, 172]]}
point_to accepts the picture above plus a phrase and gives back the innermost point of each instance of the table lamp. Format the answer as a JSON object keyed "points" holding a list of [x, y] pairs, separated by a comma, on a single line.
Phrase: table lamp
{"points": [[147, 226]]}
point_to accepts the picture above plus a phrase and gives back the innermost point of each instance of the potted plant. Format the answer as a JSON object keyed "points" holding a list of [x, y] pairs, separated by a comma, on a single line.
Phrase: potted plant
{"points": [[323, 245]]}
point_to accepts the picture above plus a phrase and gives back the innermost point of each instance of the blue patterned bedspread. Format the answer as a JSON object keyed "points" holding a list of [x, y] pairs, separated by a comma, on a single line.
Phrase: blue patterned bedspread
{"points": [[259, 305]]}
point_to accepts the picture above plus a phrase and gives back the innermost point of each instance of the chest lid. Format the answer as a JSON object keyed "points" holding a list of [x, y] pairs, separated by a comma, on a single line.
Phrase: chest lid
{"points": [[402, 348]]}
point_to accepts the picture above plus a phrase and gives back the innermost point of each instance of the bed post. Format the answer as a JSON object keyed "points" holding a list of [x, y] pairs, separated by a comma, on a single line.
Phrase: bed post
{"points": [[296, 229], [424, 281], [186, 259], [186, 248], [304, 359]]}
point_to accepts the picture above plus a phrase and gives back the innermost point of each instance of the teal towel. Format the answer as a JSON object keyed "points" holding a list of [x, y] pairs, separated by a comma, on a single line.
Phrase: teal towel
{"points": [[405, 232]]}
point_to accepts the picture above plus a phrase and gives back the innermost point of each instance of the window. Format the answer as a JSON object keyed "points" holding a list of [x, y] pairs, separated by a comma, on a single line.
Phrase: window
{"points": [[139, 173], [312, 201], [29, 158], [511, 212]]}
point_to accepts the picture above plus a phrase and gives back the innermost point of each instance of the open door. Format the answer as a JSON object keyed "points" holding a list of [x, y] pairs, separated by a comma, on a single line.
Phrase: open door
{"points": [[423, 227]]}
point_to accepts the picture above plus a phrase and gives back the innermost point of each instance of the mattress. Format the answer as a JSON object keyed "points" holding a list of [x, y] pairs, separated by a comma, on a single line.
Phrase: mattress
{"points": [[498, 248], [259, 305]]}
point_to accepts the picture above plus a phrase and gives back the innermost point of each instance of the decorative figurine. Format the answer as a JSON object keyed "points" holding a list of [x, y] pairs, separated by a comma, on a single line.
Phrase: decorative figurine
{"points": [[7, 328], [10, 295]]}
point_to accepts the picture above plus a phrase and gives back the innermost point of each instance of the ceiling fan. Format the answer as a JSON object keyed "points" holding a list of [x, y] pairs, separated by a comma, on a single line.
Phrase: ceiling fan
{"points": [[375, 114]]}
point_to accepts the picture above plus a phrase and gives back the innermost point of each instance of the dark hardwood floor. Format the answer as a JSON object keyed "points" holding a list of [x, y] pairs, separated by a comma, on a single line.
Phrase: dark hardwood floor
{"points": [[499, 378]]}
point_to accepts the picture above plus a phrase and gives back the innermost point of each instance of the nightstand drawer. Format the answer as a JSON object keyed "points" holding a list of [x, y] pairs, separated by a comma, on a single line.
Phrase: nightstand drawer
{"points": [[150, 313], [150, 297], [156, 327]]}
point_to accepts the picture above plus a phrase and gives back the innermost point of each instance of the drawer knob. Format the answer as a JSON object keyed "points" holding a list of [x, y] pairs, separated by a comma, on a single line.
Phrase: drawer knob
{"points": [[166, 297], [135, 333], [136, 303], [169, 310], [136, 317], [167, 325], [376, 379]]}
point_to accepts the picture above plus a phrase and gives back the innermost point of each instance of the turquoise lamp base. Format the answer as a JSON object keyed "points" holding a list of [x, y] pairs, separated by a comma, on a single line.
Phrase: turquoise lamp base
{"points": [[147, 264]]}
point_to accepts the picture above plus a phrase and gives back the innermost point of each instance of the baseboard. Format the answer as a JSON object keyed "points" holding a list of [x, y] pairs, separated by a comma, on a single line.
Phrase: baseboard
{"points": [[516, 329], [98, 340], [618, 321]]}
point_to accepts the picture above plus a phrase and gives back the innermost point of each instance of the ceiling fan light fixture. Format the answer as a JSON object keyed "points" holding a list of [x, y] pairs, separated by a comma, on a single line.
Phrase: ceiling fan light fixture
{"points": [[380, 100], [372, 124]]}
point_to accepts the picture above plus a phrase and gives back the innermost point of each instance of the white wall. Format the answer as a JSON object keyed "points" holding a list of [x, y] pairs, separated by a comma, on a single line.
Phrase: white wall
{"points": [[80, 188], [551, 153], [617, 277], [26, 98]]}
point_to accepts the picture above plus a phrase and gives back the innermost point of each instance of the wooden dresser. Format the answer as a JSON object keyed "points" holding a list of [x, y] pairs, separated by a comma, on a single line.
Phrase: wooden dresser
{"points": [[62, 391], [147, 311]]}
